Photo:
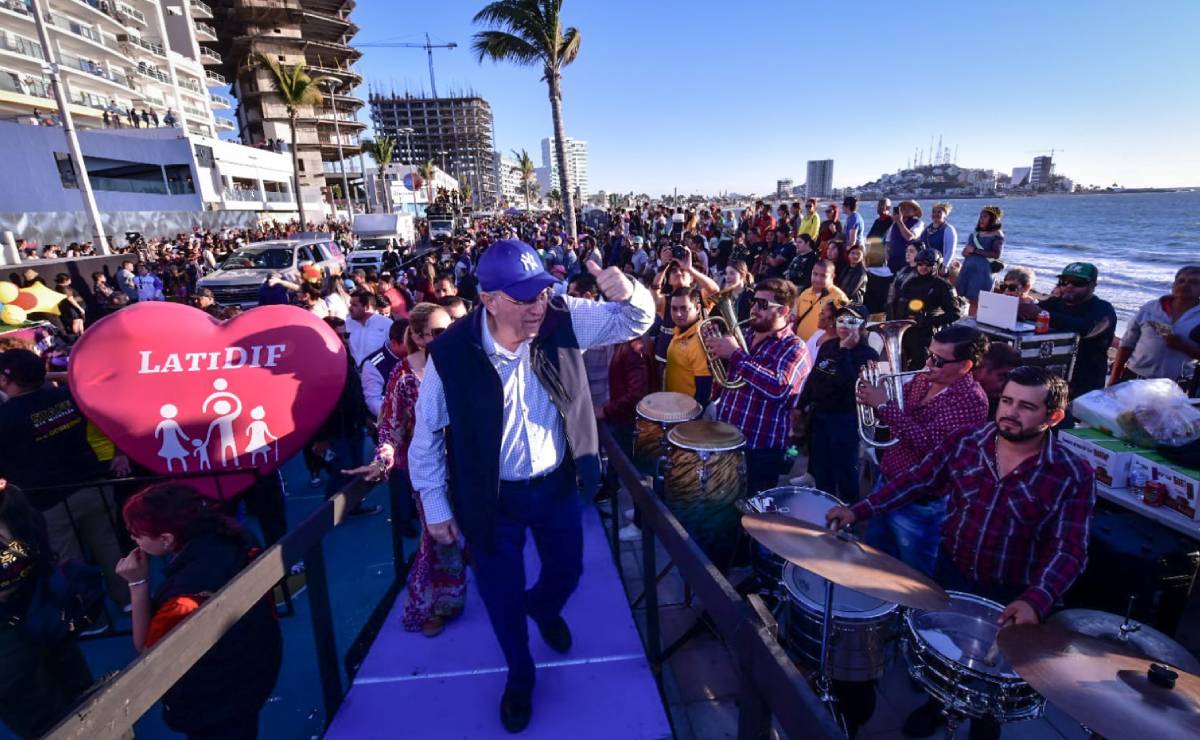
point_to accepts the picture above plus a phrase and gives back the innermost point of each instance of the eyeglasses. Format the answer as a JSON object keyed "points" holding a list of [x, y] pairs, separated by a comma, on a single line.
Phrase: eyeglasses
{"points": [[1064, 282], [1010, 288], [762, 304], [939, 361], [539, 298]]}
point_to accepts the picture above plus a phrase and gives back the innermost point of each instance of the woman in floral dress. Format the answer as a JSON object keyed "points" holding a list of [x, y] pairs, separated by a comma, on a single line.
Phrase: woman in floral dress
{"points": [[436, 588]]}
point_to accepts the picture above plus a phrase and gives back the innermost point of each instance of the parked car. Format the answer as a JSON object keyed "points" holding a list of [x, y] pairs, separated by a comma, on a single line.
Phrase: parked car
{"points": [[237, 280]]}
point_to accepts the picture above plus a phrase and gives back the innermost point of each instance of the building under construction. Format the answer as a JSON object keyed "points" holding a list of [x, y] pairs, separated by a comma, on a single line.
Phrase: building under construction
{"points": [[315, 33], [455, 133]]}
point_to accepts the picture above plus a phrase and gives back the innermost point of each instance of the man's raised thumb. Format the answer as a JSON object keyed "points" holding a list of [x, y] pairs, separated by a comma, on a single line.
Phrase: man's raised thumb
{"points": [[593, 267]]}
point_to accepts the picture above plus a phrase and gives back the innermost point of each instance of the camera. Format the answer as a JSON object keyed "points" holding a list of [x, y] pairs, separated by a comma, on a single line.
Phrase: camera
{"points": [[678, 250]]}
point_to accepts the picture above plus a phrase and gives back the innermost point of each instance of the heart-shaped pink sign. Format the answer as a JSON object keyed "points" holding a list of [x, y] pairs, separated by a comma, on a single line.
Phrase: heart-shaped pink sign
{"points": [[183, 393]]}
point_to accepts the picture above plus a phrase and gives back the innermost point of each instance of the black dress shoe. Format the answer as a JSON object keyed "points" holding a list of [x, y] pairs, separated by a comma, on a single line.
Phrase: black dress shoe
{"points": [[924, 721], [516, 708], [556, 634]]}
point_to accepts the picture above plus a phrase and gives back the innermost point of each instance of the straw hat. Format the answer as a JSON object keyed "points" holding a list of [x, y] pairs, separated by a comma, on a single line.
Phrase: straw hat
{"points": [[915, 206]]}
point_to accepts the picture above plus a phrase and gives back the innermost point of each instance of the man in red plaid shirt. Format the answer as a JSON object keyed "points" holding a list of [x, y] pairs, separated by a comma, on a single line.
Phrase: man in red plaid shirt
{"points": [[1018, 510], [774, 370]]}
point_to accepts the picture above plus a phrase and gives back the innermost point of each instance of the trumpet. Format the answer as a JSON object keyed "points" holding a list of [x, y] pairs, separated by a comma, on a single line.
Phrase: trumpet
{"points": [[722, 321], [891, 332]]}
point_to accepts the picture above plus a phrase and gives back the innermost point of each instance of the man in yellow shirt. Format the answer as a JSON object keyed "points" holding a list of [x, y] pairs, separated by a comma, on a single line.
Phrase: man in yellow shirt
{"points": [[811, 223], [687, 365], [813, 299]]}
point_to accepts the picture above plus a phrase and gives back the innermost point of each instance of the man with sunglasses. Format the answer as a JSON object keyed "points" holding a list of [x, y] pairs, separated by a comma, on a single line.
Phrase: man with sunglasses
{"points": [[504, 426], [1077, 309], [931, 301], [937, 404], [774, 369]]}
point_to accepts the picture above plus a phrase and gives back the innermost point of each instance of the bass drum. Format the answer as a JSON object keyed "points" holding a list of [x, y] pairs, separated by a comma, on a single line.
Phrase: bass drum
{"points": [[864, 630], [705, 478]]}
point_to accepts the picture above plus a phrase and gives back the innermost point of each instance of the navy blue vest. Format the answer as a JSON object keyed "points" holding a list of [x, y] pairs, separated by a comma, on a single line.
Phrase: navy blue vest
{"points": [[475, 402]]}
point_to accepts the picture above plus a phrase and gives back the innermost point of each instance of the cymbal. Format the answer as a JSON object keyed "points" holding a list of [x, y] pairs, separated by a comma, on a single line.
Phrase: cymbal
{"points": [[1140, 639], [1101, 686], [845, 561]]}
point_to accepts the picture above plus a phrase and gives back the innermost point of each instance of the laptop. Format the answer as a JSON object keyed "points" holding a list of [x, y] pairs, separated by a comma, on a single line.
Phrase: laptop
{"points": [[1000, 310]]}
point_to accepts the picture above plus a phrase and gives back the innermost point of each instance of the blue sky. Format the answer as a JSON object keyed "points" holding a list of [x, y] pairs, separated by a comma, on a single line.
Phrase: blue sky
{"points": [[706, 96]]}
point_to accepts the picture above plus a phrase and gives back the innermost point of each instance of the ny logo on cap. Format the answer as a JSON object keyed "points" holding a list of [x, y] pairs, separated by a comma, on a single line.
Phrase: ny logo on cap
{"points": [[529, 262]]}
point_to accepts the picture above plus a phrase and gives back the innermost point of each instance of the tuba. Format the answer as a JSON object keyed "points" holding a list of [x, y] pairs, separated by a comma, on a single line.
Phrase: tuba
{"points": [[722, 321], [868, 424]]}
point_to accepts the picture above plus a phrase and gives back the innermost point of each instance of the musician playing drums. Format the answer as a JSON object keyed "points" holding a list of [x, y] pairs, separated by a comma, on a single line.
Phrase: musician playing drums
{"points": [[774, 370], [1018, 508], [937, 404]]}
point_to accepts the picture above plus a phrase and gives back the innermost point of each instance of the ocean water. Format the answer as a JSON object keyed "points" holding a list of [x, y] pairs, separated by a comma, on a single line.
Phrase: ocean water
{"points": [[1137, 240]]}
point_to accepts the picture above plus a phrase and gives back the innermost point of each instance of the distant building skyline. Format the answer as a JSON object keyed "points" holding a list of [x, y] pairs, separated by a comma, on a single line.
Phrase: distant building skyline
{"points": [[819, 183], [577, 165], [1043, 168]]}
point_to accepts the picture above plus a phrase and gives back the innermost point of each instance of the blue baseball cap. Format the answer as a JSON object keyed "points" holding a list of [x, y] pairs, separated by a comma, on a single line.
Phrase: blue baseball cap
{"points": [[514, 267]]}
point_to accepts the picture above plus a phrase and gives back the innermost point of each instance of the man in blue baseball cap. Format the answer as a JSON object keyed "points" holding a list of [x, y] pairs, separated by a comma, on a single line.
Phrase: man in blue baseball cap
{"points": [[508, 383]]}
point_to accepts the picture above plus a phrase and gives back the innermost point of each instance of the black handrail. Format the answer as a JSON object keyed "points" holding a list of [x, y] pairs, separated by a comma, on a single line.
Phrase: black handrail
{"points": [[118, 704], [770, 683]]}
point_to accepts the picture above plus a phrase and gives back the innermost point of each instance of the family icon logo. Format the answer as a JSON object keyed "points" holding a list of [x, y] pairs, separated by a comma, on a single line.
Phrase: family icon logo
{"points": [[183, 393]]}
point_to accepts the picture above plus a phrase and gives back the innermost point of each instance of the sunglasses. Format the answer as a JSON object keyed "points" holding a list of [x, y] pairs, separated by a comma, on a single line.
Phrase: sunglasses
{"points": [[762, 304], [1010, 288], [924, 263], [849, 322], [1073, 283], [539, 298], [939, 361], [435, 333]]}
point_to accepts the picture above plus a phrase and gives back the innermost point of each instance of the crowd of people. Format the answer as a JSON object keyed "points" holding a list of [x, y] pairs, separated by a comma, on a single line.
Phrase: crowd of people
{"points": [[479, 369]]}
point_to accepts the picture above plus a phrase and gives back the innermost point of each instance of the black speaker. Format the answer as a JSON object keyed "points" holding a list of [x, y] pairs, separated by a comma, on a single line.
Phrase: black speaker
{"points": [[1129, 555]]}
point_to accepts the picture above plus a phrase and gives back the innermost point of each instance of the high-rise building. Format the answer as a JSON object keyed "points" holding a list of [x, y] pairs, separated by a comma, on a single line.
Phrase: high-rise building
{"points": [[1020, 177], [1039, 176], [508, 179], [820, 178], [783, 188], [577, 166], [115, 59], [455, 133], [315, 33]]}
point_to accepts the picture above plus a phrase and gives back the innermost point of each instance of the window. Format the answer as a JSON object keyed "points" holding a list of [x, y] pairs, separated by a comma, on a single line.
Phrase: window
{"points": [[304, 254], [279, 258], [66, 170]]}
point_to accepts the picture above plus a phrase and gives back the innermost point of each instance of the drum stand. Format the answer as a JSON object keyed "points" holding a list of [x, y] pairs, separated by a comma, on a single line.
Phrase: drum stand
{"points": [[823, 681]]}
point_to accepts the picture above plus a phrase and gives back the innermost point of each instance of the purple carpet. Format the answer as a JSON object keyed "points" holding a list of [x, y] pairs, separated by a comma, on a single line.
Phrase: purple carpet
{"points": [[411, 686]]}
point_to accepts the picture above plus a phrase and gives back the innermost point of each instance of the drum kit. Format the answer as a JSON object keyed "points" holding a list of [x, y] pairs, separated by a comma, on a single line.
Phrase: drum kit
{"points": [[846, 609]]}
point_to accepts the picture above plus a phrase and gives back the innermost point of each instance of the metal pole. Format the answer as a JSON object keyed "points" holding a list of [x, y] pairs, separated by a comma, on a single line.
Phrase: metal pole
{"points": [[323, 632], [651, 593], [337, 135], [61, 95]]}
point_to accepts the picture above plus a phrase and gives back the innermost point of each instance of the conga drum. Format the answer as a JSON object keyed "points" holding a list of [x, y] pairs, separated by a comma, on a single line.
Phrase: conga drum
{"points": [[656, 414], [705, 479]]}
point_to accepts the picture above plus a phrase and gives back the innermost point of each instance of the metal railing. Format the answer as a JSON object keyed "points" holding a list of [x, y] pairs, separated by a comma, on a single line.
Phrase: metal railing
{"points": [[136, 15], [213, 77], [21, 45], [219, 99], [202, 7], [114, 707], [243, 195], [127, 38], [210, 55], [153, 74], [771, 685], [279, 197], [206, 28]]}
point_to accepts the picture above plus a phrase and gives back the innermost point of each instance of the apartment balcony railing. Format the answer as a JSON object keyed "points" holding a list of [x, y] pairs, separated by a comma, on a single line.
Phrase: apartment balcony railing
{"points": [[214, 78], [226, 124], [220, 100], [243, 195], [25, 47], [132, 13], [208, 56], [277, 197], [153, 74], [149, 46], [206, 31], [201, 10]]}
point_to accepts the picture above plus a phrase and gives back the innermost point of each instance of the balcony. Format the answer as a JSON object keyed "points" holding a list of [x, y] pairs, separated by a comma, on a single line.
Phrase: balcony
{"points": [[214, 79], [131, 16], [201, 10], [206, 31], [153, 74], [208, 56], [149, 46], [332, 168], [28, 86], [279, 197], [220, 101], [225, 124], [24, 47], [243, 195]]}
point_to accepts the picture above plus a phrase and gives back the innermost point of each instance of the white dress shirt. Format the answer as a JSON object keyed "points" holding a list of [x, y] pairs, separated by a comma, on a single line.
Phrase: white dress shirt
{"points": [[533, 440], [367, 336]]}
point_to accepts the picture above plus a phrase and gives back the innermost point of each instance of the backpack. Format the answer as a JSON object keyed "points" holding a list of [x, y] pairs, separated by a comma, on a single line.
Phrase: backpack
{"points": [[68, 599]]}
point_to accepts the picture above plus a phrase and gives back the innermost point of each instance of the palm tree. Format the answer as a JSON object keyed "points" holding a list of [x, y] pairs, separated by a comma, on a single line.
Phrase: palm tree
{"points": [[426, 170], [530, 33], [382, 150], [465, 191], [555, 197], [298, 89], [525, 169]]}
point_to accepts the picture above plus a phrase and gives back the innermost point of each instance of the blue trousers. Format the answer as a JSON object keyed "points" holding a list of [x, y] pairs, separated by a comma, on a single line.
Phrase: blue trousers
{"points": [[912, 533], [549, 507], [833, 454]]}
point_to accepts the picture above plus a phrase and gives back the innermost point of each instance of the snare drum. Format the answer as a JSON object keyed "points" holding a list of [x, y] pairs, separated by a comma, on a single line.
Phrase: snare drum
{"points": [[947, 652], [806, 504], [863, 634], [657, 413], [705, 478]]}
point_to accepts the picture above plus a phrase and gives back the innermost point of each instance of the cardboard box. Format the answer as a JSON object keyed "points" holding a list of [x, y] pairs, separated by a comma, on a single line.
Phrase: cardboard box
{"points": [[1108, 456], [1183, 484]]}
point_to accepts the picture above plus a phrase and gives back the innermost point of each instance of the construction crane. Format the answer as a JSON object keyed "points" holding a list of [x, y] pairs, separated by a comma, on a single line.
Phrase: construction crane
{"points": [[1043, 151], [428, 46]]}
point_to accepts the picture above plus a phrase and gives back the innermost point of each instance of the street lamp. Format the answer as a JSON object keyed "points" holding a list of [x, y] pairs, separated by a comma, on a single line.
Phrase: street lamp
{"points": [[407, 133], [334, 86]]}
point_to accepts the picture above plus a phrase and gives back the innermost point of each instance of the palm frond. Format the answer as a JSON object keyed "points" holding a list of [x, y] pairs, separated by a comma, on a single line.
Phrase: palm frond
{"points": [[568, 48], [501, 46]]}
